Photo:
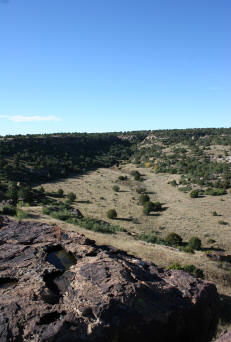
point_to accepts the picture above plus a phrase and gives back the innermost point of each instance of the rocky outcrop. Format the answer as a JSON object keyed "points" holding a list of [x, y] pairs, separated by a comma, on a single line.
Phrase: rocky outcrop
{"points": [[59, 286], [225, 338]]}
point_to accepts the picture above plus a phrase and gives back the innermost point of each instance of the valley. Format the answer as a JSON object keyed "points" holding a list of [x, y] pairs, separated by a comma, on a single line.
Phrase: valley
{"points": [[186, 182]]}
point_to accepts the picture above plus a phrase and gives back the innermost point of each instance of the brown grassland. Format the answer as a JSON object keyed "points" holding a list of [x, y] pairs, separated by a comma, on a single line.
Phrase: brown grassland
{"points": [[183, 215]]}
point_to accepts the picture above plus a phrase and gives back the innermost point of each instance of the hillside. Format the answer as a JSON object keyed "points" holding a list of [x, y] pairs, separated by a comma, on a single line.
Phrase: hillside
{"points": [[159, 183]]}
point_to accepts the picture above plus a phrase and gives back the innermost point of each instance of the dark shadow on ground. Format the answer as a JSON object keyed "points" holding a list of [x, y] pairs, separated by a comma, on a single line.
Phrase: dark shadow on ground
{"points": [[33, 216], [225, 309], [85, 202], [215, 249], [124, 219], [163, 208]]}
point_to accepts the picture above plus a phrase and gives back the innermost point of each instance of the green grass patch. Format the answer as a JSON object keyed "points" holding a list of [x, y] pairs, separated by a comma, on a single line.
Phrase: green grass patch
{"points": [[62, 211], [191, 269]]}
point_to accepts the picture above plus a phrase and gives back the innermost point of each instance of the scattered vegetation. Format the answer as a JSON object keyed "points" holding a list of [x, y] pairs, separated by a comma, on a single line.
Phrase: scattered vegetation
{"points": [[223, 222], [173, 239], [122, 178], [111, 214], [64, 212], [143, 198], [191, 269], [194, 243], [215, 192], [194, 194], [116, 188], [151, 238], [140, 190], [9, 210], [71, 196]]}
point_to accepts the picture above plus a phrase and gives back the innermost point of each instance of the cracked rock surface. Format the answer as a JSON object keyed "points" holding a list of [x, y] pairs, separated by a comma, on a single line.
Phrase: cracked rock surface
{"points": [[59, 286]]}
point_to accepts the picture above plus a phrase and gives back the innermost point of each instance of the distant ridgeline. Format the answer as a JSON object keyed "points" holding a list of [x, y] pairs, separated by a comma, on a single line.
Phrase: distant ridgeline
{"points": [[41, 158], [201, 156]]}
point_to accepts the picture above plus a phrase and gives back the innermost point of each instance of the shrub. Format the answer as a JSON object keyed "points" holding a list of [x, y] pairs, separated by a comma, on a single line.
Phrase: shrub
{"points": [[116, 188], [12, 193], [46, 211], [151, 238], [195, 272], [223, 222], [194, 194], [195, 243], [173, 239], [143, 198], [21, 214], [97, 225], [41, 190], [25, 194], [175, 266], [191, 269], [185, 188], [135, 172], [157, 206], [9, 210], [112, 214], [140, 190], [211, 241], [64, 212], [122, 178], [136, 175], [68, 201], [215, 192], [173, 182], [22, 204], [60, 192], [147, 208], [187, 249], [215, 213], [71, 196]]}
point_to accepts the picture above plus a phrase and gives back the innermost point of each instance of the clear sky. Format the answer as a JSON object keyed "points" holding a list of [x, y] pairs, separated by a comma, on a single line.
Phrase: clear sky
{"points": [[114, 65]]}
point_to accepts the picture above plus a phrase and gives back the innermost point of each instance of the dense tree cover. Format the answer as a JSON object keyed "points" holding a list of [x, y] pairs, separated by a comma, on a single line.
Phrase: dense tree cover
{"points": [[190, 158], [43, 158], [39, 158]]}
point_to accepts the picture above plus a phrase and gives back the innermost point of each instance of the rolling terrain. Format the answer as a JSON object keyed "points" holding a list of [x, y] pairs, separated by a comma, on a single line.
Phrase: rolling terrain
{"points": [[187, 171]]}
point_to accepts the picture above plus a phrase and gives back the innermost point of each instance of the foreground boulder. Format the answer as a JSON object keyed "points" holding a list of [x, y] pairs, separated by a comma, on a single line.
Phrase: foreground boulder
{"points": [[225, 338], [59, 286]]}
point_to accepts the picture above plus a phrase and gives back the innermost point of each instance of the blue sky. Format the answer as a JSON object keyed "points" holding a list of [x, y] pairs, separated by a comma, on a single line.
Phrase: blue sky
{"points": [[114, 65]]}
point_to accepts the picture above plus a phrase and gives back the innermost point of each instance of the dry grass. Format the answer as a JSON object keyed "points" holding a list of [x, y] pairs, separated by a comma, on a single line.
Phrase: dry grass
{"points": [[183, 215]]}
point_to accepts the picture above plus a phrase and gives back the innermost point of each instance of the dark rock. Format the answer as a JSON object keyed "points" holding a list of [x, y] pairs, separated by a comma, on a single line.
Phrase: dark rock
{"points": [[106, 295], [76, 212]]}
